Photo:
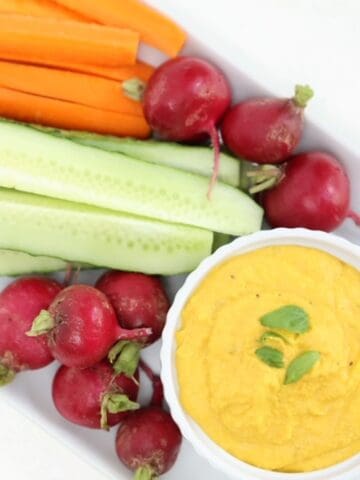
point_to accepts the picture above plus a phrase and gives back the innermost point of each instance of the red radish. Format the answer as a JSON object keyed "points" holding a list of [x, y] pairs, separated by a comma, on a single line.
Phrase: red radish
{"points": [[185, 99], [313, 192], [94, 397], [148, 442], [266, 130], [157, 399], [20, 303], [81, 327], [139, 300]]}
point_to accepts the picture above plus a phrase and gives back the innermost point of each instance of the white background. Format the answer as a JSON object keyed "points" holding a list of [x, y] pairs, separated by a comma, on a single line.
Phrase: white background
{"points": [[313, 41]]}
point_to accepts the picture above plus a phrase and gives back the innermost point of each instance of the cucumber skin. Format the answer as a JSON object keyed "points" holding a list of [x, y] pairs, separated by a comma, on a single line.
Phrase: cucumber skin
{"points": [[195, 159], [79, 233], [13, 263], [43, 164]]}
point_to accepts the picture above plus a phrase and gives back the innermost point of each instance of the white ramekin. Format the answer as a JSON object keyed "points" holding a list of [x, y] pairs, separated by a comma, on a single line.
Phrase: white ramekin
{"points": [[219, 458]]}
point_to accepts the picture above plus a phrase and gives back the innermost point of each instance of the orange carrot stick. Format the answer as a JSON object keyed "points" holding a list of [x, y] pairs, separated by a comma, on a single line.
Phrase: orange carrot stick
{"points": [[57, 113], [39, 8], [155, 28], [139, 70], [66, 41], [74, 87]]}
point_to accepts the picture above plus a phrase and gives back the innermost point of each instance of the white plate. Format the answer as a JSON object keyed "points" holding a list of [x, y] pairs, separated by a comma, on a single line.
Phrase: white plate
{"points": [[30, 393]]}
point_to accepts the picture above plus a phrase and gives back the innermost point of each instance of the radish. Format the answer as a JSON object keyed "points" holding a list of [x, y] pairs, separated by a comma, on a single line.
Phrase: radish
{"points": [[20, 303], [139, 300], [313, 192], [81, 327], [94, 397], [157, 398], [148, 442], [266, 130], [185, 99]]}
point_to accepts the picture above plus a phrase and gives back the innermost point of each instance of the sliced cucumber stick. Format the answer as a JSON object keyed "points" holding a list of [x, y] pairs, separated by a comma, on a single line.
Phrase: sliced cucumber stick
{"points": [[56, 228], [198, 160], [20, 263], [40, 163]]}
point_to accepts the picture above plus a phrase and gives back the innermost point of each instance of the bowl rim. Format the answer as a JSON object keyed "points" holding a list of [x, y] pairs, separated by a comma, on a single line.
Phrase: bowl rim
{"points": [[204, 446]]}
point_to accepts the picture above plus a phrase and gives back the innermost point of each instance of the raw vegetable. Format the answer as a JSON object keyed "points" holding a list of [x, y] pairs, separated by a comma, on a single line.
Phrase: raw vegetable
{"points": [[313, 192], [139, 300], [155, 28], [148, 442], [140, 70], [43, 164], [125, 356], [19, 263], [39, 8], [266, 130], [58, 113], [20, 303], [300, 366], [195, 159], [81, 326], [185, 99], [221, 239], [157, 398], [40, 38], [100, 237], [78, 88], [94, 397]]}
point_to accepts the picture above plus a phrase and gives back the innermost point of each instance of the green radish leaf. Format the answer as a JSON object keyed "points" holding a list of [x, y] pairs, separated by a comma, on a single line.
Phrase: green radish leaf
{"points": [[271, 356], [300, 366], [270, 334], [290, 317]]}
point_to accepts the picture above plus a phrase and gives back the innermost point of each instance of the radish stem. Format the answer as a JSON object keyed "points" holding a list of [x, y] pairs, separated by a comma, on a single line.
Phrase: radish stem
{"points": [[158, 390], [264, 177], [6, 375], [303, 93], [124, 357], [134, 88], [355, 217], [145, 473], [42, 324], [215, 140], [135, 333], [115, 403]]}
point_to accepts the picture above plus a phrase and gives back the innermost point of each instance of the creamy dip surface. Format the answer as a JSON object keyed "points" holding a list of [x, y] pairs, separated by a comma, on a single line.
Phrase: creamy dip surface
{"points": [[243, 403]]}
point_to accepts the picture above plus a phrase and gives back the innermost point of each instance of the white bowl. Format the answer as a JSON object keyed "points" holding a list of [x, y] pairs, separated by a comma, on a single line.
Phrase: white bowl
{"points": [[218, 457]]}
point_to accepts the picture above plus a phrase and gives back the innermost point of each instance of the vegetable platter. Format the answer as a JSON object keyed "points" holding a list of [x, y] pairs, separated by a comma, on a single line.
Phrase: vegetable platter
{"points": [[31, 394]]}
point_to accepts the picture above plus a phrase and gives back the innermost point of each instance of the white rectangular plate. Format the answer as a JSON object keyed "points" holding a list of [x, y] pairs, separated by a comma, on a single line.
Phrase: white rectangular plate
{"points": [[30, 394]]}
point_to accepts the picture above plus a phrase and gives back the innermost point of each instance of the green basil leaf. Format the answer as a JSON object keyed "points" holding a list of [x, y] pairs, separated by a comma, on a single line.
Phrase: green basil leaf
{"points": [[268, 335], [271, 356], [291, 318], [300, 366]]}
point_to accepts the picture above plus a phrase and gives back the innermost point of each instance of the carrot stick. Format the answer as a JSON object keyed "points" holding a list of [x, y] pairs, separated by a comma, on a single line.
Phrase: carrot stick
{"points": [[139, 70], [39, 8], [66, 41], [155, 28], [57, 113], [79, 88]]}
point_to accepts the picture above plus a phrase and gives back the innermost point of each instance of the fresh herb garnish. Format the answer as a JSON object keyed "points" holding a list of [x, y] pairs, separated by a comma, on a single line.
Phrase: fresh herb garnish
{"points": [[290, 317], [270, 334], [300, 366], [271, 356]]}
